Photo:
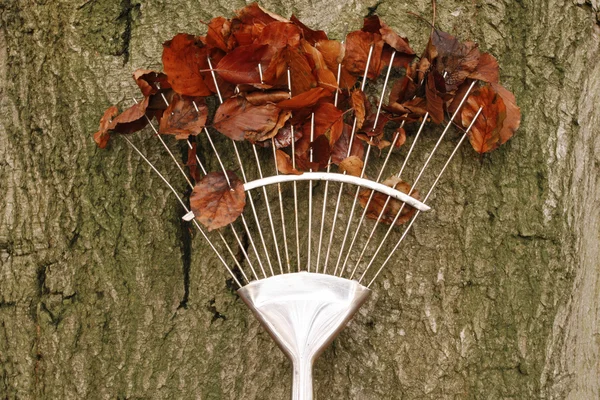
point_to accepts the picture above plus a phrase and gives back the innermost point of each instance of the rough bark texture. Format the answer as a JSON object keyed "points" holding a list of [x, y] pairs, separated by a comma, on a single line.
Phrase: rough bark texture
{"points": [[104, 293]]}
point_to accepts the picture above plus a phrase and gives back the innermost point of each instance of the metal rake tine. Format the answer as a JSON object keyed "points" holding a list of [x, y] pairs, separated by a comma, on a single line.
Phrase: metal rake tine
{"points": [[310, 193], [366, 245], [192, 186], [187, 211], [235, 234], [289, 78], [337, 204], [464, 136], [287, 256], [239, 160], [387, 78], [420, 174], [371, 195]]}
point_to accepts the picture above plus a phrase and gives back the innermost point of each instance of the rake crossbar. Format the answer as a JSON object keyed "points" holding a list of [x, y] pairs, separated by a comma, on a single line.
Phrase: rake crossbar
{"points": [[332, 177]]}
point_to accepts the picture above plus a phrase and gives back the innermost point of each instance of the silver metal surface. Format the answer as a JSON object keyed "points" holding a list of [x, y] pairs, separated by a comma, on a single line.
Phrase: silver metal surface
{"points": [[304, 312]]}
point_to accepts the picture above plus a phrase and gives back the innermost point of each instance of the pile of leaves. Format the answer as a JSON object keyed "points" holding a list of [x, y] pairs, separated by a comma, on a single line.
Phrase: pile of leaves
{"points": [[251, 55]]}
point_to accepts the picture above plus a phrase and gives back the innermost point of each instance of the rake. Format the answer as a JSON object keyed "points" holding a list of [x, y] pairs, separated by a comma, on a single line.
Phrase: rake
{"points": [[303, 284]]}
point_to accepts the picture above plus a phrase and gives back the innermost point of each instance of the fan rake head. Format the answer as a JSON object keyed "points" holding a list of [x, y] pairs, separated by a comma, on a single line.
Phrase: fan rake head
{"points": [[310, 203]]}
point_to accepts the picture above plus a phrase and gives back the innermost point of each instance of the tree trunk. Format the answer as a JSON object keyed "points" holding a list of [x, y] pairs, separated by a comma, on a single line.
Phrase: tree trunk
{"points": [[104, 293]]}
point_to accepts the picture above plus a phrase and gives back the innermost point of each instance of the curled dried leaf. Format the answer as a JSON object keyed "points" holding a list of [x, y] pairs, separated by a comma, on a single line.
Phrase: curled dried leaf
{"points": [[185, 116], [284, 163], [215, 204], [357, 102], [103, 135], [241, 65], [131, 120], [304, 100], [386, 209], [149, 81]]}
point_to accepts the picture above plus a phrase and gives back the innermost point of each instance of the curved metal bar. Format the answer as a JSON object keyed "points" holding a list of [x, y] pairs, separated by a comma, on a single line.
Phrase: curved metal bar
{"points": [[333, 177]]}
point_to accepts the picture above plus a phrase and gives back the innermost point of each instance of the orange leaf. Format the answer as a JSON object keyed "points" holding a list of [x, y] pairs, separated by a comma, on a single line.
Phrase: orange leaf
{"points": [[309, 35], [357, 102], [513, 113], [304, 100], [214, 203], [219, 34], [358, 44], [485, 133], [103, 135], [487, 69], [182, 119], [184, 57], [352, 166], [148, 81], [131, 120], [284, 163]]}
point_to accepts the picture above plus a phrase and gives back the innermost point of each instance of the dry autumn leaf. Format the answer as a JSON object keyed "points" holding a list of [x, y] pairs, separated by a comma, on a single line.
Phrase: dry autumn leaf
{"points": [[352, 166], [183, 58], [393, 206], [284, 163], [214, 203], [485, 133], [131, 120], [103, 135], [182, 118], [236, 118], [357, 102]]}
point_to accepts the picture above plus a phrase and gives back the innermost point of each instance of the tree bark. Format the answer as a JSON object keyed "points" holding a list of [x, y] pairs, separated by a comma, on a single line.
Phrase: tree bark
{"points": [[105, 293]]}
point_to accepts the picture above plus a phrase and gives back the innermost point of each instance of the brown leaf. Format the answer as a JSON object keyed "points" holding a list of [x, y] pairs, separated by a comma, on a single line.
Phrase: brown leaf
{"points": [[304, 100], [192, 163], [214, 203], [375, 25], [284, 163], [280, 34], [182, 119], [284, 136], [358, 44], [487, 69], [241, 65], [333, 53], [393, 206], [149, 81], [300, 70], [309, 35], [357, 102], [253, 13], [341, 148], [401, 137], [236, 118], [453, 60], [260, 97], [435, 103], [485, 133], [329, 122], [219, 34], [352, 166], [325, 76], [513, 113], [103, 135], [254, 137], [131, 120], [183, 58]]}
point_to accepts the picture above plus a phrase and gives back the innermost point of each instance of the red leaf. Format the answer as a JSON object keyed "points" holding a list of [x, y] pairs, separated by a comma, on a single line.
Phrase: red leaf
{"points": [[329, 122], [280, 34], [236, 118], [103, 136], [311, 36], [284, 163], [184, 57], [304, 100], [241, 65], [487, 69], [254, 137], [261, 97], [393, 205], [333, 53], [358, 44], [485, 133], [219, 34], [131, 120], [375, 25], [300, 70], [214, 203], [325, 77], [149, 81], [182, 119]]}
